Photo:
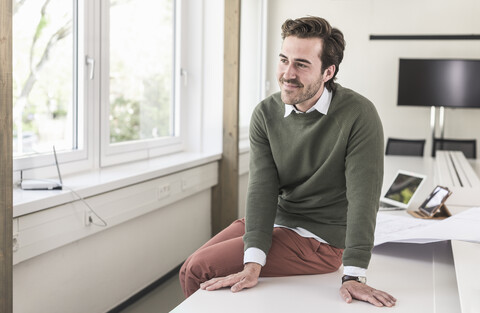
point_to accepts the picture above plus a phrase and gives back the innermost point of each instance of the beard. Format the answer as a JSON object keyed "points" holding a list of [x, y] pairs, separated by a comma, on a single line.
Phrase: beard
{"points": [[302, 93]]}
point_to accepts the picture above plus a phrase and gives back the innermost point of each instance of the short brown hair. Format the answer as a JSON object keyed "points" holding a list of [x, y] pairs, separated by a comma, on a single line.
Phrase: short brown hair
{"points": [[317, 27]]}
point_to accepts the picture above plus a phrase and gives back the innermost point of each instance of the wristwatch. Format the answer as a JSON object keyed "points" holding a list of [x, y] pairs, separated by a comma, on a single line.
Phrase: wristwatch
{"points": [[360, 279]]}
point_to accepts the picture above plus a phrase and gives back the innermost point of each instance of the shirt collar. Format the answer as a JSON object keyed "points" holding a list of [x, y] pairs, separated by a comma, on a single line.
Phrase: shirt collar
{"points": [[322, 105]]}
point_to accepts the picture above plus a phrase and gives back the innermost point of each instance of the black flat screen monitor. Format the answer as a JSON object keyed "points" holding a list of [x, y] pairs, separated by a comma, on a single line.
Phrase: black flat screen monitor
{"points": [[439, 82]]}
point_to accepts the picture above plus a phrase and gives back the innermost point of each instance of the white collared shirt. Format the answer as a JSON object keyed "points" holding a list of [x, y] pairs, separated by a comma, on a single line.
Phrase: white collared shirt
{"points": [[258, 256], [322, 105]]}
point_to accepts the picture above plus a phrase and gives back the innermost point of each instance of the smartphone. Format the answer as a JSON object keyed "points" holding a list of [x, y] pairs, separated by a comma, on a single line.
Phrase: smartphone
{"points": [[435, 200]]}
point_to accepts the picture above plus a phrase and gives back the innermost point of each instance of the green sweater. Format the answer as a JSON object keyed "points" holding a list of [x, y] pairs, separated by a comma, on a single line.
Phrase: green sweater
{"points": [[320, 172]]}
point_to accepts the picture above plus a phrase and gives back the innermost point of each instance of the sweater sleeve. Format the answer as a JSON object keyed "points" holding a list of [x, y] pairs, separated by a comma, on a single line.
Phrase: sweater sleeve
{"points": [[262, 194], [364, 176]]}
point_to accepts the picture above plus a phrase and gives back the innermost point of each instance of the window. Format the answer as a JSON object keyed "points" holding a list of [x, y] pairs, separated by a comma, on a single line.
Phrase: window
{"points": [[141, 65], [141, 108], [97, 79], [44, 77], [252, 52]]}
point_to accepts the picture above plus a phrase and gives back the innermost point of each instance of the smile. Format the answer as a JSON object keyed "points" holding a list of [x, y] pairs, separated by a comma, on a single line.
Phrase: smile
{"points": [[290, 84]]}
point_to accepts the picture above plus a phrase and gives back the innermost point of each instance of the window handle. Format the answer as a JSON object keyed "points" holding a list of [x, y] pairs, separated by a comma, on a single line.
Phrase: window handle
{"points": [[184, 75], [90, 63]]}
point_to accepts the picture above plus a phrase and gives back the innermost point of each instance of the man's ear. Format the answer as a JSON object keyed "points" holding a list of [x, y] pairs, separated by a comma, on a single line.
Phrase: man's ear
{"points": [[328, 73]]}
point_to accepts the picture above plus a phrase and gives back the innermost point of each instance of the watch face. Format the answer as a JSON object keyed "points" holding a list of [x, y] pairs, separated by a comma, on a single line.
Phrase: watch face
{"points": [[362, 279]]}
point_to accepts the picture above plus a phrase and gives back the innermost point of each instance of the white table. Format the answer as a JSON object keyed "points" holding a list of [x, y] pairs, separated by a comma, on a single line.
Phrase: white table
{"points": [[467, 261], [424, 278], [421, 277], [466, 255]]}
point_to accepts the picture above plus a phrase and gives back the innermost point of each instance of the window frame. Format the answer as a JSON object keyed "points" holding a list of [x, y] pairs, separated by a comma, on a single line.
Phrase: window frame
{"points": [[202, 96], [32, 164], [258, 48], [92, 100], [111, 154]]}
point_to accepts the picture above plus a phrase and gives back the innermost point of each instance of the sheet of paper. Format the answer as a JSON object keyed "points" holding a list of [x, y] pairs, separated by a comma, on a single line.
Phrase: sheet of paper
{"points": [[394, 228]]}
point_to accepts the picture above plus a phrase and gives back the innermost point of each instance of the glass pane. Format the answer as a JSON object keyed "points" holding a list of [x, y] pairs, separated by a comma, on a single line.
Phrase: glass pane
{"points": [[251, 54], [43, 69], [141, 65]]}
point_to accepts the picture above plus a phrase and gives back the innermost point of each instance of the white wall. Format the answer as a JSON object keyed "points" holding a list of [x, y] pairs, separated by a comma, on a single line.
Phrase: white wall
{"points": [[99, 272], [371, 67], [61, 265]]}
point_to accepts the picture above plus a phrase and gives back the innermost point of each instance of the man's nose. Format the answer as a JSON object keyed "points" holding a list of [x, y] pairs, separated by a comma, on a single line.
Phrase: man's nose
{"points": [[290, 72]]}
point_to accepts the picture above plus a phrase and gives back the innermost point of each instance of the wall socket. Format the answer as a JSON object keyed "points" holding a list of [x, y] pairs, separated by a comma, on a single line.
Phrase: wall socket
{"points": [[15, 244], [88, 217], [163, 191]]}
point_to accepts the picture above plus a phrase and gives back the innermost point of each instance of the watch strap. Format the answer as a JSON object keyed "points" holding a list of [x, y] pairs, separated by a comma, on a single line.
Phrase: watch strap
{"points": [[359, 279]]}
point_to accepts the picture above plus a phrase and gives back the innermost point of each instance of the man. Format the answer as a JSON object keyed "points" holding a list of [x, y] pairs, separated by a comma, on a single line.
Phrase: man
{"points": [[316, 170]]}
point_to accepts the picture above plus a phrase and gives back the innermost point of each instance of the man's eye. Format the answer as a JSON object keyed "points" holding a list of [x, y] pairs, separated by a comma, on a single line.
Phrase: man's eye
{"points": [[284, 61], [301, 65]]}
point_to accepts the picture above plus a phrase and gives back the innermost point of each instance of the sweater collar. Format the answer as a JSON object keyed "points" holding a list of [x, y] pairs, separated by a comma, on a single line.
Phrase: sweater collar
{"points": [[321, 106]]}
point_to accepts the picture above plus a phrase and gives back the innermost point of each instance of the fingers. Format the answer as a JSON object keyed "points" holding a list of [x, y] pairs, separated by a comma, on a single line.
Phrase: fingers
{"points": [[380, 300], [220, 282], [245, 279], [355, 290], [384, 298], [238, 282], [374, 300], [246, 282]]}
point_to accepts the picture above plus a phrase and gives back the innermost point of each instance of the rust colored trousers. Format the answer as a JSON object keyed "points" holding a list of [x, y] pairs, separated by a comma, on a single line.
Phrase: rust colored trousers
{"points": [[290, 254]]}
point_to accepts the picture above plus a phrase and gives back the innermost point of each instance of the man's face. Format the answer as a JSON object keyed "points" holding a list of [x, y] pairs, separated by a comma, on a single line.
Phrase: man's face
{"points": [[299, 72]]}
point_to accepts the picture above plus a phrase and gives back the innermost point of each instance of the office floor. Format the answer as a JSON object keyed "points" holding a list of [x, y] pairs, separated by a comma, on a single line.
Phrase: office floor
{"points": [[161, 300]]}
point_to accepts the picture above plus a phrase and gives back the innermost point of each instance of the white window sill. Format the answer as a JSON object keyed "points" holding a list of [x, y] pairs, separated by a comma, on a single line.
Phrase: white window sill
{"points": [[99, 181]]}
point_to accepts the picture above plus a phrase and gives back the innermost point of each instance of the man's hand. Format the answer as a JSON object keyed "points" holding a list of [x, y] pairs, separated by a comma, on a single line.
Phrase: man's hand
{"points": [[355, 290], [247, 278]]}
